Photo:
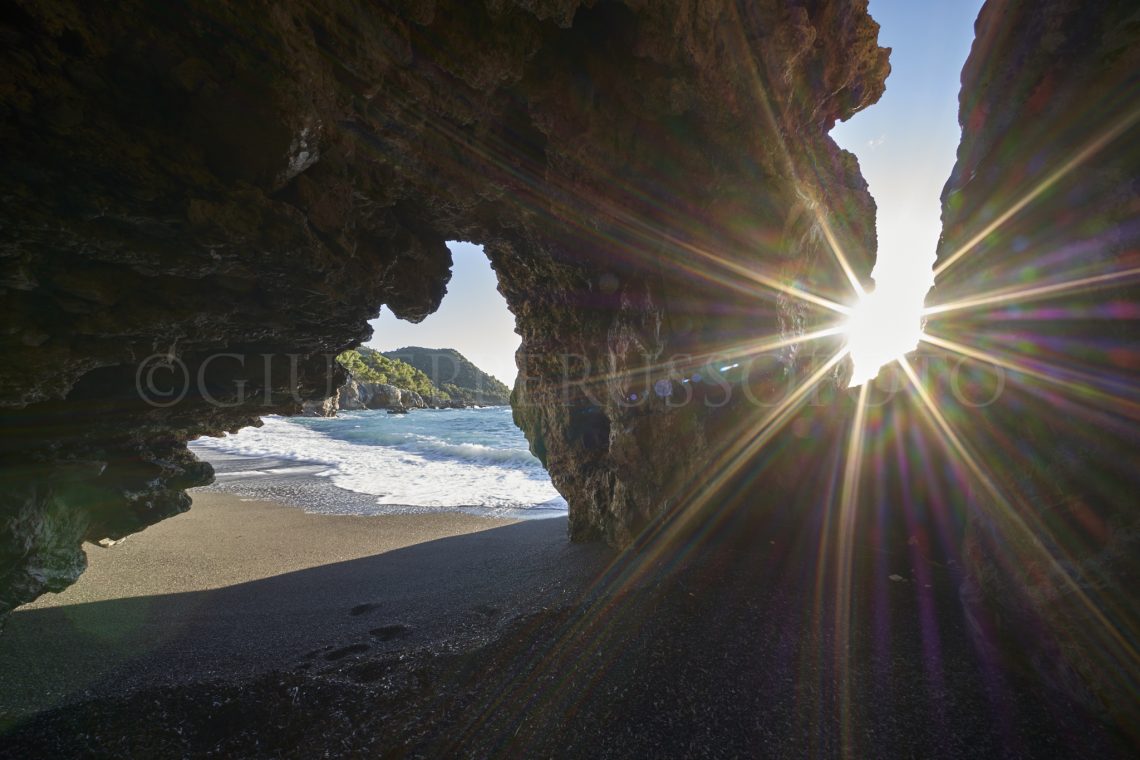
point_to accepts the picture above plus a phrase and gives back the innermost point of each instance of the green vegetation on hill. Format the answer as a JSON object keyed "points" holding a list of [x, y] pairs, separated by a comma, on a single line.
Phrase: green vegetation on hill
{"points": [[367, 365], [442, 373], [452, 372]]}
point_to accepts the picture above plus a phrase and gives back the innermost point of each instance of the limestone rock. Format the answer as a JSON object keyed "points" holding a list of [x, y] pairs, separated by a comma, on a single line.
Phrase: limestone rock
{"points": [[353, 395], [413, 400], [322, 407]]}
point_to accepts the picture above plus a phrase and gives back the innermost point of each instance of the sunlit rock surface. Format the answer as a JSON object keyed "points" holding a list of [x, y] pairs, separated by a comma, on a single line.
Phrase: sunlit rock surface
{"points": [[215, 198], [1045, 193]]}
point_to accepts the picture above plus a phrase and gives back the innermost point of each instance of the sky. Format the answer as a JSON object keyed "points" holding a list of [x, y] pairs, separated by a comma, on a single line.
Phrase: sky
{"points": [[905, 143], [473, 318]]}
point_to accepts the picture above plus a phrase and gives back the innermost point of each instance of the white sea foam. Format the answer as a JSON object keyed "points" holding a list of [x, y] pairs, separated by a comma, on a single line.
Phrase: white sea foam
{"points": [[429, 458]]}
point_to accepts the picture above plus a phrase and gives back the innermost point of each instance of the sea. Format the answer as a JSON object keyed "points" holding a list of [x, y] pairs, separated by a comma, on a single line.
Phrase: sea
{"points": [[474, 461]]}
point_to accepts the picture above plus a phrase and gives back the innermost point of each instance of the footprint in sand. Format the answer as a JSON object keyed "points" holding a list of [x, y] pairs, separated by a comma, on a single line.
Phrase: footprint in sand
{"points": [[390, 632], [340, 654], [360, 609], [316, 653], [369, 672]]}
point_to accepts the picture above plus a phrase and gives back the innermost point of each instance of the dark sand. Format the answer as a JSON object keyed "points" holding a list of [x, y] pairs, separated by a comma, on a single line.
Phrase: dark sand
{"points": [[235, 587], [250, 629]]}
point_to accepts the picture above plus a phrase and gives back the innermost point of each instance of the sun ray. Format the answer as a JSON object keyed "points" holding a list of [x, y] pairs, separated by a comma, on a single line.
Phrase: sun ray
{"points": [[837, 252], [1090, 148], [774, 422], [844, 562], [652, 235], [1006, 511], [774, 128], [1018, 295], [564, 203], [737, 453], [698, 362], [728, 464], [659, 548], [626, 571], [1085, 391], [755, 348], [561, 201], [762, 279]]}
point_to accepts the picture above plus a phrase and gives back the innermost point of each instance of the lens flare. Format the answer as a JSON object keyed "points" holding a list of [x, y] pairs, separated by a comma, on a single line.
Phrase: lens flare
{"points": [[881, 328]]}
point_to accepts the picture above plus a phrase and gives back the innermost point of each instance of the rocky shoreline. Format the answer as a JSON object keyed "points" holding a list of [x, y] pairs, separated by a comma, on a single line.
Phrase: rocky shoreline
{"points": [[355, 395]]}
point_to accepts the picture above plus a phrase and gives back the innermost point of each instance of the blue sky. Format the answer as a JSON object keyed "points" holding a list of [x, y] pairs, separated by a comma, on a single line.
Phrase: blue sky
{"points": [[905, 144], [473, 318]]}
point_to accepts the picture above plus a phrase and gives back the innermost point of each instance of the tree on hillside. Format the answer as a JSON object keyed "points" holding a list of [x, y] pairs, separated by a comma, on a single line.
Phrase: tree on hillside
{"points": [[455, 374], [370, 366]]}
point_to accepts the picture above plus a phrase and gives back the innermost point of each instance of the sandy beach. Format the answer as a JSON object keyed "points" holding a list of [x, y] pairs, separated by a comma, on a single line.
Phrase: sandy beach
{"points": [[226, 539], [248, 628], [238, 586]]}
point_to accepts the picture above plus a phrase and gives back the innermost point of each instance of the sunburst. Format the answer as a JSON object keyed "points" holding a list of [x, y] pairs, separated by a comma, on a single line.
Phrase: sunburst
{"points": [[880, 328]]}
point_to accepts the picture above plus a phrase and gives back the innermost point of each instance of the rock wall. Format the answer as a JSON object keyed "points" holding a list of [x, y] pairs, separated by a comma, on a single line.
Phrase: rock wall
{"points": [[204, 202], [1045, 194]]}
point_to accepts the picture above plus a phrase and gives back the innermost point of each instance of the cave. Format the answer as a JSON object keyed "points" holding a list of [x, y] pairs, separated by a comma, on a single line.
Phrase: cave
{"points": [[658, 194], [277, 194]]}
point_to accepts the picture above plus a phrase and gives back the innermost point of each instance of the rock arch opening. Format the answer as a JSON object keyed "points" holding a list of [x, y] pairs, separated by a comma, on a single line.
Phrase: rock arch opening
{"points": [[906, 146], [632, 188], [418, 427], [473, 318]]}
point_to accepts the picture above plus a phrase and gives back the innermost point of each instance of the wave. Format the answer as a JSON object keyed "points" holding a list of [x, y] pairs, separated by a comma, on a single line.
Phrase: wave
{"points": [[272, 439], [447, 459], [474, 452]]}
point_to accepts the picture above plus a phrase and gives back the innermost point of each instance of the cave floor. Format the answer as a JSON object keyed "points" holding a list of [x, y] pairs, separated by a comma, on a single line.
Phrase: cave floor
{"points": [[509, 641]]}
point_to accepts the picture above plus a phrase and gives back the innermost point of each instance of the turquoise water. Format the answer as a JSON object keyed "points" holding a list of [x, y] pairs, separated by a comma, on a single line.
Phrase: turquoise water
{"points": [[427, 459]]}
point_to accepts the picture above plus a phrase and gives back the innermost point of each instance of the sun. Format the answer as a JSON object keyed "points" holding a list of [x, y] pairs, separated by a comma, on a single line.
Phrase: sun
{"points": [[881, 328]]}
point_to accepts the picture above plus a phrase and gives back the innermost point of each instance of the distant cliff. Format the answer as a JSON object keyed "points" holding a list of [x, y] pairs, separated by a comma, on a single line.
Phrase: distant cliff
{"points": [[455, 375], [385, 381], [370, 366]]}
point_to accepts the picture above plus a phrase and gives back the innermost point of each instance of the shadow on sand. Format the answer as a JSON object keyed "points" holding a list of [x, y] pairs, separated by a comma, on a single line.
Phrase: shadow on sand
{"points": [[454, 587], [513, 642]]}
